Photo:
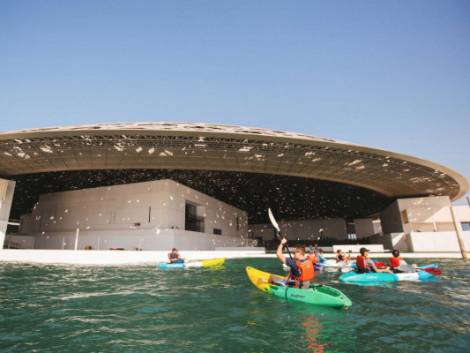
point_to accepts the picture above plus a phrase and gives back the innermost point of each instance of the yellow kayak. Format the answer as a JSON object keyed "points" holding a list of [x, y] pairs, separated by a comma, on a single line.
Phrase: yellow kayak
{"points": [[192, 264], [213, 262]]}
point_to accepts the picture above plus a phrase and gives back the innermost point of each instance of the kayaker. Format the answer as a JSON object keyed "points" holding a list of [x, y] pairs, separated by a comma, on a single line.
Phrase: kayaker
{"points": [[398, 265], [365, 264], [302, 268], [319, 255], [341, 256], [174, 256]]}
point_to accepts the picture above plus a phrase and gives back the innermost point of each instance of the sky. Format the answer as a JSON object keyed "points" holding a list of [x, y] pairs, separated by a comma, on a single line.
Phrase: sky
{"points": [[387, 74]]}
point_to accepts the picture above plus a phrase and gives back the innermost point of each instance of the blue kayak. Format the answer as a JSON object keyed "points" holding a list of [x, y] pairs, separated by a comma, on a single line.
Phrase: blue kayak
{"points": [[167, 266], [373, 278]]}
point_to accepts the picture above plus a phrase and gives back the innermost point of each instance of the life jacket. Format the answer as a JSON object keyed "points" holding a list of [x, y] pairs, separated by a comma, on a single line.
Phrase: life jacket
{"points": [[395, 262], [313, 258], [361, 263], [306, 270]]}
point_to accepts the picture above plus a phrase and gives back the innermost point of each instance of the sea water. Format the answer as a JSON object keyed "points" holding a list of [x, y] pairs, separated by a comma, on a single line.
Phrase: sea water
{"points": [[143, 309]]}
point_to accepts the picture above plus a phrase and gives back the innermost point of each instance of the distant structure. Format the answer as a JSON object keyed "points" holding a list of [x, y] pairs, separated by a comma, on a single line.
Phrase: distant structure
{"points": [[322, 190]]}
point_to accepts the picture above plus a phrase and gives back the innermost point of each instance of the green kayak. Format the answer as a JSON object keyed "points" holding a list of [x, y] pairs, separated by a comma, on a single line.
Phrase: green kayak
{"points": [[315, 295]]}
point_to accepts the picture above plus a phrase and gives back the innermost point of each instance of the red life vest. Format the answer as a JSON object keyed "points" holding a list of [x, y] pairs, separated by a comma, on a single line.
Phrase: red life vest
{"points": [[361, 262], [395, 262]]}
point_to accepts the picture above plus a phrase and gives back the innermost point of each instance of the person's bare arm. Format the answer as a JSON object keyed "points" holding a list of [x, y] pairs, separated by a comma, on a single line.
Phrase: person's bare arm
{"points": [[279, 253], [386, 269]]}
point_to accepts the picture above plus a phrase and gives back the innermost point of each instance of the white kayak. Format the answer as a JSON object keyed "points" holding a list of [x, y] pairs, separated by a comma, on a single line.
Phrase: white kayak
{"points": [[333, 266]]}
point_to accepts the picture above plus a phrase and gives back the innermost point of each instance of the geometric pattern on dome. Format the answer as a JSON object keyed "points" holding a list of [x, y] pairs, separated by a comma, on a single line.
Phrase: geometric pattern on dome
{"points": [[223, 148]]}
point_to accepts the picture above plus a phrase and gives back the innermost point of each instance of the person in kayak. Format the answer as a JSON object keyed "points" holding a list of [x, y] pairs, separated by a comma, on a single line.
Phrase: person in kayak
{"points": [[302, 268], [341, 256], [365, 264], [398, 265], [319, 255], [174, 256]]}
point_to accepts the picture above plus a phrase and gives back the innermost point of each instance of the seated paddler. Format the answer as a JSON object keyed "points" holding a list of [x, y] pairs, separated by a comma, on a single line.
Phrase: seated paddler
{"points": [[302, 268]]}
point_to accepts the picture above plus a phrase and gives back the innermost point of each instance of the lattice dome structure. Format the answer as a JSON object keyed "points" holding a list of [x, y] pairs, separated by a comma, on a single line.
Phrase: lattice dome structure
{"points": [[299, 176]]}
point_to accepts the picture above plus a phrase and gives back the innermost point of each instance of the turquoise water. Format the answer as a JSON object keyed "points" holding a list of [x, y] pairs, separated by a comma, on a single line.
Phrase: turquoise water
{"points": [[141, 309]]}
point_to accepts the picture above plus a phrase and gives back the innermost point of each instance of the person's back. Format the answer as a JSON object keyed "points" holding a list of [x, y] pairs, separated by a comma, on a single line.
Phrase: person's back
{"points": [[365, 264], [361, 263], [398, 265], [394, 262]]}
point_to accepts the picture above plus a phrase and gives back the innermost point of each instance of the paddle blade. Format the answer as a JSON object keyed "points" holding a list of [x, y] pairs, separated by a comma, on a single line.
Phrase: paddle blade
{"points": [[433, 271], [379, 264], [273, 220]]}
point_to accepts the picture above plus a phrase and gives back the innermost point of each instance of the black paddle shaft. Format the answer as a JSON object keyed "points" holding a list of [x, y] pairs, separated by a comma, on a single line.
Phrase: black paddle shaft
{"points": [[278, 235]]}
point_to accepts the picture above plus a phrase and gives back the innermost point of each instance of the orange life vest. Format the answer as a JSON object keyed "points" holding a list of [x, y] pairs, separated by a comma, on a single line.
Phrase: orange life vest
{"points": [[395, 262], [361, 262], [306, 269], [313, 258]]}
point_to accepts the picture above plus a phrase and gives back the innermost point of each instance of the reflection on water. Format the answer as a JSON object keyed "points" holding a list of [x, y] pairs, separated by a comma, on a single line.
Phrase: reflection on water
{"points": [[142, 309], [312, 330]]}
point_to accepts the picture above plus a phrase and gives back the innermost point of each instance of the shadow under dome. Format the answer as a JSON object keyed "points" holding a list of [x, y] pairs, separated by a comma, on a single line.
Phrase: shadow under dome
{"points": [[289, 197]]}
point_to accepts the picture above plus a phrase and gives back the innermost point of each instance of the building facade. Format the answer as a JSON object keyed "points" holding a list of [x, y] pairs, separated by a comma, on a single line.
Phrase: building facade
{"points": [[156, 215]]}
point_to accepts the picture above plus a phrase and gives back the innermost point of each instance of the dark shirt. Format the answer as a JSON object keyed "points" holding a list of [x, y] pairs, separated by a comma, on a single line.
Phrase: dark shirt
{"points": [[173, 256], [293, 267]]}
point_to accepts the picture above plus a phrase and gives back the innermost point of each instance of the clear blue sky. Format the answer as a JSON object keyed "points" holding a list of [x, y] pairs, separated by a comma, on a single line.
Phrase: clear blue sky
{"points": [[389, 74]]}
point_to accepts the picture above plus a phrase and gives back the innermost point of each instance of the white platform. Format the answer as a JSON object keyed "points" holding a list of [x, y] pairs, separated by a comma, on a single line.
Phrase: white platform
{"points": [[106, 257]]}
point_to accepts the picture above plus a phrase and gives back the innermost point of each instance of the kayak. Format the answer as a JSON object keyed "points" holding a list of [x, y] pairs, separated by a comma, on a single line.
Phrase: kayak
{"points": [[332, 266], [433, 265], [316, 295], [192, 264], [431, 268], [372, 278]]}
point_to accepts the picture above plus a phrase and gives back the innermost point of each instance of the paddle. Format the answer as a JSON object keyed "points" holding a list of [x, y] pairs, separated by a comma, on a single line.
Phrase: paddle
{"points": [[278, 230], [433, 271]]}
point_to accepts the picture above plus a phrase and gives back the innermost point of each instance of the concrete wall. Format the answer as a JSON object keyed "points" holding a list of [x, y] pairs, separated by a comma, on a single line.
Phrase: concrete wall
{"points": [[426, 214], [417, 214], [302, 230], [145, 239], [366, 227], [390, 219], [437, 241], [13, 241], [149, 215], [7, 188], [423, 224], [462, 212]]}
